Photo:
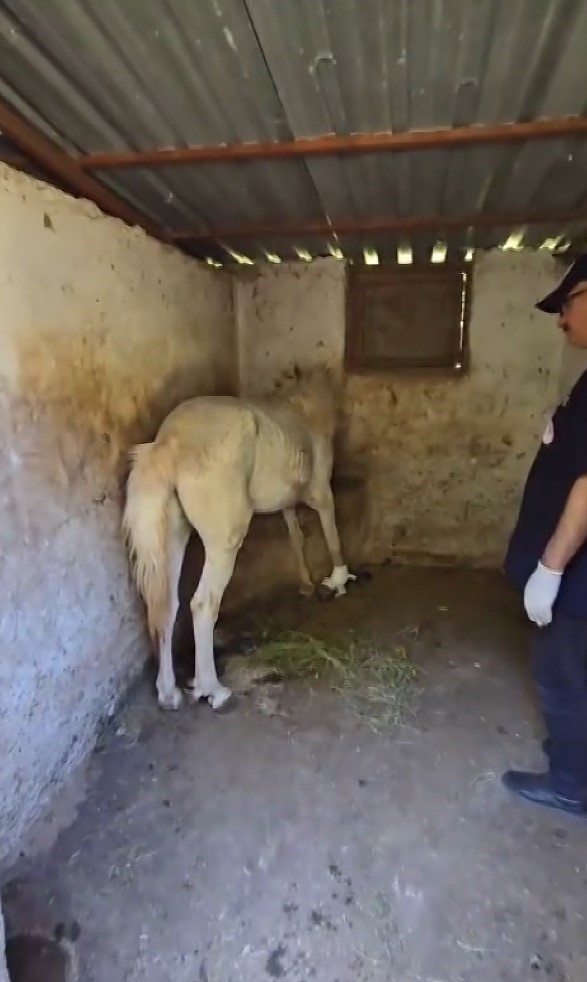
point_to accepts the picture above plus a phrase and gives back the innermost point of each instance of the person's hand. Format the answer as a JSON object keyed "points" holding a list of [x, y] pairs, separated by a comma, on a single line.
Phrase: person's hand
{"points": [[540, 594]]}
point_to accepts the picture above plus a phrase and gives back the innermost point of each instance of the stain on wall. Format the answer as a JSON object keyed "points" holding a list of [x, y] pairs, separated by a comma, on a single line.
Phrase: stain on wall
{"points": [[429, 468], [102, 331]]}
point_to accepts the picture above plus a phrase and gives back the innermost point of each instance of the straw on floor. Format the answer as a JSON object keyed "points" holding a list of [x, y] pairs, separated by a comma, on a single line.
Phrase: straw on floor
{"points": [[376, 681]]}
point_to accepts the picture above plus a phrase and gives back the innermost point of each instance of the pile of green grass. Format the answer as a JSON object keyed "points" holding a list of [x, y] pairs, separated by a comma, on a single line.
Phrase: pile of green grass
{"points": [[376, 682]]}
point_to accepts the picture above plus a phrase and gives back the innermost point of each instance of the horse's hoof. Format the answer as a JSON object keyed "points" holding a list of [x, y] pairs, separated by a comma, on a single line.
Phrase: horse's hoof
{"points": [[338, 580], [307, 589], [221, 700], [193, 693], [171, 701], [226, 707], [324, 593]]}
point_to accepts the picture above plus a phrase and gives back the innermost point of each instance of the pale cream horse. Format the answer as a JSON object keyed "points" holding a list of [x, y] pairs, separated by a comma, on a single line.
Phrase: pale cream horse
{"points": [[216, 461]]}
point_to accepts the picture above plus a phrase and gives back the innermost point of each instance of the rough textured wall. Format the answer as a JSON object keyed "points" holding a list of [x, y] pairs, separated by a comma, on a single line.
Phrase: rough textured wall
{"points": [[439, 464], [102, 330]]}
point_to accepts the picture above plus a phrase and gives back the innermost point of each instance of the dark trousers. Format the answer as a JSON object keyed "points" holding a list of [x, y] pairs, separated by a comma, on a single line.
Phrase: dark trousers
{"points": [[559, 659]]}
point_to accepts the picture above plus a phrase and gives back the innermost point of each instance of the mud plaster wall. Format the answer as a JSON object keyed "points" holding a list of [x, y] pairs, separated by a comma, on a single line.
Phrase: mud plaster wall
{"points": [[438, 466], [102, 330]]}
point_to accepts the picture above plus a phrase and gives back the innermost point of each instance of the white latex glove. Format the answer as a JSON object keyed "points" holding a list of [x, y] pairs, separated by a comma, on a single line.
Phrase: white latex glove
{"points": [[540, 594]]}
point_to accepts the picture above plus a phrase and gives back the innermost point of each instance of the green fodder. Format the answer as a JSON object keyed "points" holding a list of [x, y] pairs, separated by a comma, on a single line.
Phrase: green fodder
{"points": [[376, 681]]}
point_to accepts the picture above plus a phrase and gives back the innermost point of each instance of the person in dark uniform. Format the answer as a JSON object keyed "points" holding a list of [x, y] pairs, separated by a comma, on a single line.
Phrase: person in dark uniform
{"points": [[547, 561]]}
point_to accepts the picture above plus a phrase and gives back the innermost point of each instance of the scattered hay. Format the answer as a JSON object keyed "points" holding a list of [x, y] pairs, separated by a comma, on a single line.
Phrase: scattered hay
{"points": [[376, 682]]}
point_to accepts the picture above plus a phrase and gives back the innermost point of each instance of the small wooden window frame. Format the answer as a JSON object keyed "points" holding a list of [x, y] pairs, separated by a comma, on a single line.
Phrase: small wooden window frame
{"points": [[360, 279]]}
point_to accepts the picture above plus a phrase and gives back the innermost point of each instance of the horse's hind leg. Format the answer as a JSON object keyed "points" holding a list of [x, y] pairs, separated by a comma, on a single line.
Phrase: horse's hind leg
{"points": [[178, 533], [205, 605], [222, 519]]}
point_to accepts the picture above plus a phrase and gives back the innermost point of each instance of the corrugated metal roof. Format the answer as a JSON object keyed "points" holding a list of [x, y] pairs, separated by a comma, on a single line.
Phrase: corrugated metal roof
{"points": [[98, 75]]}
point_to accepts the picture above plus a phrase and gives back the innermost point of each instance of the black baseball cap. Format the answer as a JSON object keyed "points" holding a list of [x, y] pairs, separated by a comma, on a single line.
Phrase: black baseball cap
{"points": [[553, 302]]}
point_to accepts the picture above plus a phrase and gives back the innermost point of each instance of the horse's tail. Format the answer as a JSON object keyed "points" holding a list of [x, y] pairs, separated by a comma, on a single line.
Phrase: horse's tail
{"points": [[149, 489]]}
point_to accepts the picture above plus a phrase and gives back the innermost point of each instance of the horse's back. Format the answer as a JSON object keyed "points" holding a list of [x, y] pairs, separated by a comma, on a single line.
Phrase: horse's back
{"points": [[211, 432], [264, 449]]}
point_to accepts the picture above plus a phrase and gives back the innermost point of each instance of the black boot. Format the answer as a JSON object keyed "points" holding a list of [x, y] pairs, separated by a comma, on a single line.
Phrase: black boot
{"points": [[538, 789]]}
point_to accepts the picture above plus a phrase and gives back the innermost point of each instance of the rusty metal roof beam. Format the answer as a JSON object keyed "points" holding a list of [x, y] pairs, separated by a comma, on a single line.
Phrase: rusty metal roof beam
{"points": [[391, 223], [460, 136], [16, 160], [50, 157]]}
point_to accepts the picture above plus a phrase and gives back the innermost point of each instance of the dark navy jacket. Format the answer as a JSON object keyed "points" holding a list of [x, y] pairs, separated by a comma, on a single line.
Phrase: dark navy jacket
{"points": [[561, 459]]}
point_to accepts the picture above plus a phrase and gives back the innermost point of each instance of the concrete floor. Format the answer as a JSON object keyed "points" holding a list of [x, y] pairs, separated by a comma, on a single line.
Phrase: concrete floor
{"points": [[305, 847]]}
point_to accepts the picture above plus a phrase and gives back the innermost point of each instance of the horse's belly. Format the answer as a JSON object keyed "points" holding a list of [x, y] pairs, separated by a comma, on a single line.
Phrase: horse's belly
{"points": [[275, 497], [279, 484]]}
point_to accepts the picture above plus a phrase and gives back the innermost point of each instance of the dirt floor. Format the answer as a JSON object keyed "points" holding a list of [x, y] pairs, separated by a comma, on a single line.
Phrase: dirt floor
{"points": [[304, 846]]}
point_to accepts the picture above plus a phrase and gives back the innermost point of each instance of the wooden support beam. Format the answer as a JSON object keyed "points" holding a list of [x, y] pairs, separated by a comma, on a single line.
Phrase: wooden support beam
{"points": [[443, 139], [392, 223], [56, 162], [16, 160]]}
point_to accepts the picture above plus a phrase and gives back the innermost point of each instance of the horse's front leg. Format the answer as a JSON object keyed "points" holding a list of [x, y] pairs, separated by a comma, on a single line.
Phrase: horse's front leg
{"points": [[296, 537], [340, 576]]}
